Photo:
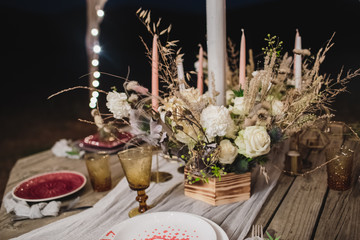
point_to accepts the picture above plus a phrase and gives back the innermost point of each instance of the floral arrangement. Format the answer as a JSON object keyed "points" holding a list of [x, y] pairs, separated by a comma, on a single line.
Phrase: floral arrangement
{"points": [[214, 140]]}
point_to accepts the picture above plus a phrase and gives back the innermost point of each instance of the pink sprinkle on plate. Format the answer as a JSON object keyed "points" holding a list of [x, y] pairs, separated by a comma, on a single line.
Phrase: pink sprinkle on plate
{"points": [[49, 186], [162, 226]]}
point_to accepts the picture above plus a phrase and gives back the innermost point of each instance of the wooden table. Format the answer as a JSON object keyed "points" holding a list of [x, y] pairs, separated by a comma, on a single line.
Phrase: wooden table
{"points": [[303, 207], [298, 207], [46, 162]]}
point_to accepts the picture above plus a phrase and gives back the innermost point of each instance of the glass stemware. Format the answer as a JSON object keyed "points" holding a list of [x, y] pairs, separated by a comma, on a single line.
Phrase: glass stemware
{"points": [[136, 163]]}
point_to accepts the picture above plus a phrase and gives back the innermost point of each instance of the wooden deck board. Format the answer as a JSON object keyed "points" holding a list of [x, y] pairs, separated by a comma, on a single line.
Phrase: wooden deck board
{"points": [[297, 215], [341, 216], [274, 200]]}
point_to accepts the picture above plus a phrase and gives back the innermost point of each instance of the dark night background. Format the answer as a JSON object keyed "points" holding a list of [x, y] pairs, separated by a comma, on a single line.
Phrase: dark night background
{"points": [[43, 52]]}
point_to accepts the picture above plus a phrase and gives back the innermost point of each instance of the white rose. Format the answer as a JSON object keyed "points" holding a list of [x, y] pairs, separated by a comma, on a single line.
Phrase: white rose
{"points": [[217, 122], [229, 96], [162, 112], [277, 108], [118, 105], [238, 108], [133, 98], [187, 135], [254, 141], [171, 104], [228, 152]]}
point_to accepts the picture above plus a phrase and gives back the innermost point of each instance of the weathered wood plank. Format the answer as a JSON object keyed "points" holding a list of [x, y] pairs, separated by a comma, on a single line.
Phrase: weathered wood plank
{"points": [[297, 214], [45, 162], [273, 201], [341, 216]]}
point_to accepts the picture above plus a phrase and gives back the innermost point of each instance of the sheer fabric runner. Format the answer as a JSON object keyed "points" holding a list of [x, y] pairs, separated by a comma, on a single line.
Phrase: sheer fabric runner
{"points": [[236, 218]]}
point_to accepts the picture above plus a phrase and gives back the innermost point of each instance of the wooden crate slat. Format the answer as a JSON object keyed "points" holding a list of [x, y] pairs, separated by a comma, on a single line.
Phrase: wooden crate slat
{"points": [[231, 188]]}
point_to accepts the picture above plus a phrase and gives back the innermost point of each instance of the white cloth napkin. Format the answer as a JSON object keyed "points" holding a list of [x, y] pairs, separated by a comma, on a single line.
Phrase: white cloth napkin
{"points": [[38, 210], [63, 148]]}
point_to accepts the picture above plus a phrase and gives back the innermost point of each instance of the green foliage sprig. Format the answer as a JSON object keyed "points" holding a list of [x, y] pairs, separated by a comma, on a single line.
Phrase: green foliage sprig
{"points": [[274, 45], [271, 238]]}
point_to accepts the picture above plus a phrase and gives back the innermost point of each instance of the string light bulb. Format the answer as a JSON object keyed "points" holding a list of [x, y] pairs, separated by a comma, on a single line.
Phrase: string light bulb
{"points": [[94, 32], [95, 94], [92, 105], [95, 15], [100, 13], [97, 49], [95, 62], [96, 74], [95, 83], [93, 99]]}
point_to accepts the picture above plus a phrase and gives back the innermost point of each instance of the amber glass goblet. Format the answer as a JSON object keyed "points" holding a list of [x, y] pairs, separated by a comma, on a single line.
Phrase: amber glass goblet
{"points": [[136, 163]]}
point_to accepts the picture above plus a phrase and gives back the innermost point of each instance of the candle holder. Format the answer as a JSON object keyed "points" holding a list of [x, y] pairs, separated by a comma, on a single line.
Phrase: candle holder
{"points": [[158, 176], [293, 163]]}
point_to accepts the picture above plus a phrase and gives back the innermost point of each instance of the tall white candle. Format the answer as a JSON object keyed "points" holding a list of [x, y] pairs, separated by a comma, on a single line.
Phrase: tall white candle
{"points": [[297, 61], [200, 74], [180, 73], [216, 47]]}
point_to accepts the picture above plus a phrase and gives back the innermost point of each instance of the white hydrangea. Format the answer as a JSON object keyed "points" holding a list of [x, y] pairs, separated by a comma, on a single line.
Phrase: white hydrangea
{"points": [[118, 105], [216, 121]]}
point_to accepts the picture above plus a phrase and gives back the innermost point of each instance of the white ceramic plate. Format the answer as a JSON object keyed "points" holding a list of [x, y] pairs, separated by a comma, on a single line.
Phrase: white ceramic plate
{"points": [[162, 225], [220, 233]]}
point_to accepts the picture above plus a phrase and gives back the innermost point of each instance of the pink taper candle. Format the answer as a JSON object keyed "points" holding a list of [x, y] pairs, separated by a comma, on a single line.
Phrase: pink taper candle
{"points": [[200, 74], [242, 66], [155, 74]]}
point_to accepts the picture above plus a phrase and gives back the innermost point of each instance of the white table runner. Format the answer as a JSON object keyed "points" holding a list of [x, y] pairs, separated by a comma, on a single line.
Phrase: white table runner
{"points": [[236, 218]]}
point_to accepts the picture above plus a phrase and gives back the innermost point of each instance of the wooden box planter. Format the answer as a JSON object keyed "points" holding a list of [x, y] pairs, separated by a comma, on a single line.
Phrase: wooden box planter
{"points": [[231, 188]]}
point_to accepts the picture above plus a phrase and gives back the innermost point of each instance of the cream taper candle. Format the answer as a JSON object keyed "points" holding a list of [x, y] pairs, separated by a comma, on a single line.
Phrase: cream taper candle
{"points": [[297, 61], [216, 47], [180, 73], [200, 73]]}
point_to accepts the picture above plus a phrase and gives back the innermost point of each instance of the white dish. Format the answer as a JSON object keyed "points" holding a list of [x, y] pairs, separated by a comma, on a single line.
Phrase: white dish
{"points": [[220, 233], [163, 225]]}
